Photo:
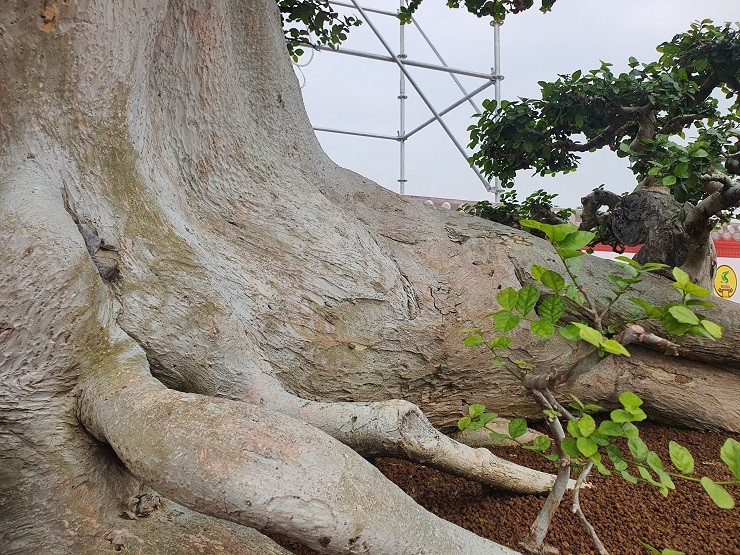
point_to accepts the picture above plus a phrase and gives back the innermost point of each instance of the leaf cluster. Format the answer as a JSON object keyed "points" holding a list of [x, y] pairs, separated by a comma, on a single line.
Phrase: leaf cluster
{"points": [[644, 114]]}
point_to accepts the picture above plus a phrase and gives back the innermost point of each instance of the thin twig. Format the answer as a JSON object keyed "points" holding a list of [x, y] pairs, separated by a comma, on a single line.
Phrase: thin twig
{"points": [[554, 402], [577, 510]]}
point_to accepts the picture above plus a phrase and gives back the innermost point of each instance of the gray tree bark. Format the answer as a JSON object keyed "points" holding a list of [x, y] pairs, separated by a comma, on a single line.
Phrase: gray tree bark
{"points": [[195, 298]]}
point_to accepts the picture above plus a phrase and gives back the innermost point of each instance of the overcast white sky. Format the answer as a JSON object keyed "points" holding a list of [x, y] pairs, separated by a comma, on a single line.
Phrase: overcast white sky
{"points": [[346, 92]]}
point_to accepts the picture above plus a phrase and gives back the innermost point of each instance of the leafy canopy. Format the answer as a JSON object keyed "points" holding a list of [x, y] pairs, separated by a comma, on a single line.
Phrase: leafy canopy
{"points": [[316, 23], [643, 114]]}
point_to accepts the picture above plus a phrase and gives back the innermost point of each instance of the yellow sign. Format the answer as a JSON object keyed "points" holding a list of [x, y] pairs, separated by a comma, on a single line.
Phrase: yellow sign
{"points": [[725, 282]]}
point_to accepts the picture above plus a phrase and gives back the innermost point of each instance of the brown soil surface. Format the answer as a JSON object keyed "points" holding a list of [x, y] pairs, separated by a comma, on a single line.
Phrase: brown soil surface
{"points": [[622, 514]]}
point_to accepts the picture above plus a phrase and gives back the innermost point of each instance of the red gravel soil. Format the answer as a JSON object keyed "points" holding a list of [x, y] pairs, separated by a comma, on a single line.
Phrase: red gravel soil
{"points": [[622, 514]]}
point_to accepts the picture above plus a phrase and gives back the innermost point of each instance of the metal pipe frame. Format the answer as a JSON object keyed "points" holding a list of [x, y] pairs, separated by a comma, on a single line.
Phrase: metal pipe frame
{"points": [[402, 112], [373, 10], [358, 133], [424, 98], [451, 107], [381, 58], [444, 63]]}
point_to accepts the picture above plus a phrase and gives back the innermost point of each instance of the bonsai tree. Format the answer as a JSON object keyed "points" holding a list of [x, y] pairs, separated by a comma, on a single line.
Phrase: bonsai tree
{"points": [[195, 299], [682, 144]]}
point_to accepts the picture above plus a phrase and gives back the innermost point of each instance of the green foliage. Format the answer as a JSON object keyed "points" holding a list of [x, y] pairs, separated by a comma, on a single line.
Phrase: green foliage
{"points": [[316, 23], [313, 22], [509, 212], [586, 111], [655, 551]]}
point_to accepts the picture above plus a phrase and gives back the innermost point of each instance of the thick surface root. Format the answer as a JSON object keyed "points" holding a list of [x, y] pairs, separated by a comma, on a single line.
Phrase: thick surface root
{"points": [[259, 468], [399, 429]]}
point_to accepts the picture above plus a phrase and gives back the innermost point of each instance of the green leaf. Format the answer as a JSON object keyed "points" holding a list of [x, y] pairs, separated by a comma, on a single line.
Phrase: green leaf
{"points": [[517, 427], [464, 422], [629, 400], [650, 548], [552, 308], [638, 449], [572, 292], [570, 332], [474, 411], [680, 276], [629, 477], [566, 254], [620, 415], [507, 298], [495, 436], [587, 425], [614, 347], [681, 458], [698, 302], [576, 240], [505, 321], [668, 180], [488, 417], [474, 340], [730, 453], [528, 297], [587, 333], [587, 446], [542, 328], [542, 443], [684, 314], [715, 330], [718, 494], [570, 447], [553, 280], [573, 428], [610, 428], [692, 289], [650, 310], [501, 342], [537, 271]]}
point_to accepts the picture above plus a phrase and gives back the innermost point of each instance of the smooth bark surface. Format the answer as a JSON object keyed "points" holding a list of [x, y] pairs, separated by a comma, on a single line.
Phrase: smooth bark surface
{"points": [[166, 211]]}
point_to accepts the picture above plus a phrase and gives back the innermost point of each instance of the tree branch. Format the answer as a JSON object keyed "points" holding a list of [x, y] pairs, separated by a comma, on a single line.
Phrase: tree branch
{"points": [[592, 202], [637, 334]]}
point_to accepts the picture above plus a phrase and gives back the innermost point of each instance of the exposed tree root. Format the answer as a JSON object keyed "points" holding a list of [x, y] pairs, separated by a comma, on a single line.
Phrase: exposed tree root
{"points": [[256, 467], [398, 428]]}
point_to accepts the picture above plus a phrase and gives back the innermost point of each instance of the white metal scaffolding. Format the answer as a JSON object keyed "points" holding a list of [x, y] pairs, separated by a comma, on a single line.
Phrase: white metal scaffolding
{"points": [[401, 60]]}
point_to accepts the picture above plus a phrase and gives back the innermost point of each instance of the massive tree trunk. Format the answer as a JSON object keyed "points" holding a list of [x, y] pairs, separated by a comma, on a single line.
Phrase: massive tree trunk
{"points": [[195, 298]]}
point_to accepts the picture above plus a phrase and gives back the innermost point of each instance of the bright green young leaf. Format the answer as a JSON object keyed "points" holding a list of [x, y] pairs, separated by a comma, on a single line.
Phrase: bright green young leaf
{"points": [[464, 422], [566, 254], [517, 427], [553, 280], [537, 271], [474, 411], [684, 315], [586, 425], [587, 446], [629, 261], [620, 415], [542, 328], [681, 458], [692, 289], [528, 297], [718, 494], [680, 276], [730, 453], [614, 347], [505, 321], [576, 240], [629, 400], [474, 341], [699, 302], [573, 428], [500, 342], [587, 333], [507, 298], [714, 330], [629, 430]]}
